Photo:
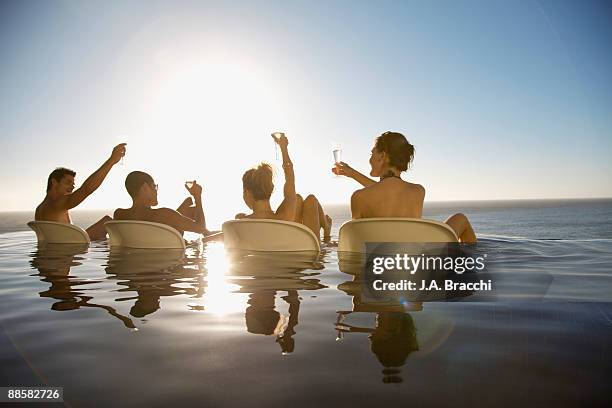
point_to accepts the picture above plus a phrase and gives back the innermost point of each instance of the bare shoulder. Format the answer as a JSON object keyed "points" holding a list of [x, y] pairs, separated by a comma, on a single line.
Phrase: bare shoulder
{"points": [[164, 214], [55, 204], [417, 188], [50, 210], [119, 213], [38, 212], [359, 194]]}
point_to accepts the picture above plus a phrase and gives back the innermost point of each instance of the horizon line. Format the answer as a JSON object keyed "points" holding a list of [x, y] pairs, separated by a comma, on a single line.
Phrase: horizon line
{"points": [[426, 201]]}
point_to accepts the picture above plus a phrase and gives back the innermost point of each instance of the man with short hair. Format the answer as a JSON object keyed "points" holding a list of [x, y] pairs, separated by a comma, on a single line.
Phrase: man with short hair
{"points": [[62, 197], [143, 190]]}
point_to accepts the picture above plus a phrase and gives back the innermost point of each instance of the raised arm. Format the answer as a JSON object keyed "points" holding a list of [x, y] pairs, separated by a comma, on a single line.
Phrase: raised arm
{"points": [[196, 192], [180, 222], [343, 169], [95, 180], [287, 208]]}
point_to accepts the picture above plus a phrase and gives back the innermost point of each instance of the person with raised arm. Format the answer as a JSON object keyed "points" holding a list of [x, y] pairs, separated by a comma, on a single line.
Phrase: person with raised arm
{"points": [[62, 197], [143, 190], [258, 186], [391, 196]]}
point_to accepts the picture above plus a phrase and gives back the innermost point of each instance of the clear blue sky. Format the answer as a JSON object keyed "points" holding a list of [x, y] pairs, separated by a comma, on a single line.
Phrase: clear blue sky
{"points": [[508, 99]]}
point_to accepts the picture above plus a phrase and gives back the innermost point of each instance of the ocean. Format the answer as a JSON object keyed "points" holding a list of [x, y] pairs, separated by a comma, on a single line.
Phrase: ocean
{"points": [[209, 328]]}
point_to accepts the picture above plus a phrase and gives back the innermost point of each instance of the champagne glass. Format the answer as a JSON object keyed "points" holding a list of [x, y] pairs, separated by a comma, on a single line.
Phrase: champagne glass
{"points": [[276, 136], [121, 139], [337, 152]]}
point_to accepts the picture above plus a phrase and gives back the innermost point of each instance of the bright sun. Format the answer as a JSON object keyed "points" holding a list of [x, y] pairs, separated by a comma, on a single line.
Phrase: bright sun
{"points": [[211, 121], [216, 96]]}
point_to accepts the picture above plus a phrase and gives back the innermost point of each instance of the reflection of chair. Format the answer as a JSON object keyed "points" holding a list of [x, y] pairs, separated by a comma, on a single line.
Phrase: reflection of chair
{"points": [[143, 234], [355, 233], [268, 235], [49, 232], [151, 274], [54, 263]]}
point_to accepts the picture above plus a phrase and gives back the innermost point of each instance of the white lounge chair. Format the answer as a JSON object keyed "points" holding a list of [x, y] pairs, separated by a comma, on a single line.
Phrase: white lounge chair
{"points": [[50, 232], [269, 235], [143, 234], [355, 233]]}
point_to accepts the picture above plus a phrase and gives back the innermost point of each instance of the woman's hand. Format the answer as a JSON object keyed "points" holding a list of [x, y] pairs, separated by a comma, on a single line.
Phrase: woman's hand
{"points": [[343, 169], [280, 139], [194, 189]]}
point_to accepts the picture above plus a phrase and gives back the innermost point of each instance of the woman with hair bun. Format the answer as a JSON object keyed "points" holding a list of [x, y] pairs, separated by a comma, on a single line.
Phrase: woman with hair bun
{"points": [[391, 196], [258, 185]]}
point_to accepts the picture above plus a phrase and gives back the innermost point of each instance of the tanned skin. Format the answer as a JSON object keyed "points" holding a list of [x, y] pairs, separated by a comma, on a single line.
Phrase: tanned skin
{"points": [[62, 196], [392, 196], [286, 209], [188, 218], [294, 208]]}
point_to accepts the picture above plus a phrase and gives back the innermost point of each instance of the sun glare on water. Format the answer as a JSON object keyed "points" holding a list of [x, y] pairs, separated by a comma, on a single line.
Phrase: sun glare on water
{"points": [[221, 297]]}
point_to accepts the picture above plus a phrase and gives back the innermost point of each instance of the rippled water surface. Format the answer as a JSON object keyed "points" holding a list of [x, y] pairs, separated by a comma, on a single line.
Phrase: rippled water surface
{"points": [[204, 327]]}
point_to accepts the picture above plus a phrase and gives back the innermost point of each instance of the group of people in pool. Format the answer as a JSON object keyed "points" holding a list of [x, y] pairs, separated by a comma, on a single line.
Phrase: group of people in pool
{"points": [[390, 196]]}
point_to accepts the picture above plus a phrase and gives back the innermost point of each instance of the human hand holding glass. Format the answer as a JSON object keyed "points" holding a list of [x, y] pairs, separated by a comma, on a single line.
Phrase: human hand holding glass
{"points": [[337, 152], [118, 153], [279, 140], [194, 188], [121, 140]]}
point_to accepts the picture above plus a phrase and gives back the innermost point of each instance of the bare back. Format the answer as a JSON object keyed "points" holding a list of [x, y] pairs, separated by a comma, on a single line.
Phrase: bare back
{"points": [[390, 197], [53, 210], [284, 212], [268, 216], [165, 216]]}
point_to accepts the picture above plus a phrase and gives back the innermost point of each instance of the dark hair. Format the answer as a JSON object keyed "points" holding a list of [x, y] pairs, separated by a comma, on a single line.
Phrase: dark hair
{"points": [[261, 320], [258, 181], [398, 149], [135, 180], [58, 174], [393, 346]]}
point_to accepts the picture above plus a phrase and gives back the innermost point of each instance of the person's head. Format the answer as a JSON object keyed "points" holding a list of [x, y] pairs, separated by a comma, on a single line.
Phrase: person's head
{"points": [[392, 342], [141, 186], [391, 151], [261, 316], [61, 180], [257, 184]]}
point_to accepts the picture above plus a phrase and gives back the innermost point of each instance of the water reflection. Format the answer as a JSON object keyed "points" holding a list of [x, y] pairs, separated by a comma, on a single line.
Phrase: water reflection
{"points": [[213, 281], [263, 276], [149, 275], [393, 337], [54, 263]]}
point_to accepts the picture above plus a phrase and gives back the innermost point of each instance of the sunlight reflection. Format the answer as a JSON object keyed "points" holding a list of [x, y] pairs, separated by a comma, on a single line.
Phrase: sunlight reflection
{"points": [[220, 298]]}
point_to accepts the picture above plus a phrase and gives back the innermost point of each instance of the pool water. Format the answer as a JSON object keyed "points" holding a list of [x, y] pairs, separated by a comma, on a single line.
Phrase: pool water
{"points": [[209, 328]]}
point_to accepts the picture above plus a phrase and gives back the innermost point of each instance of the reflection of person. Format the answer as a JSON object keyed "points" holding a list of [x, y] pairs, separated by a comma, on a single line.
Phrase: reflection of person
{"points": [[62, 197], [391, 196], [54, 266], [151, 275], [391, 341], [257, 189], [262, 317], [393, 338], [285, 339], [143, 190]]}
